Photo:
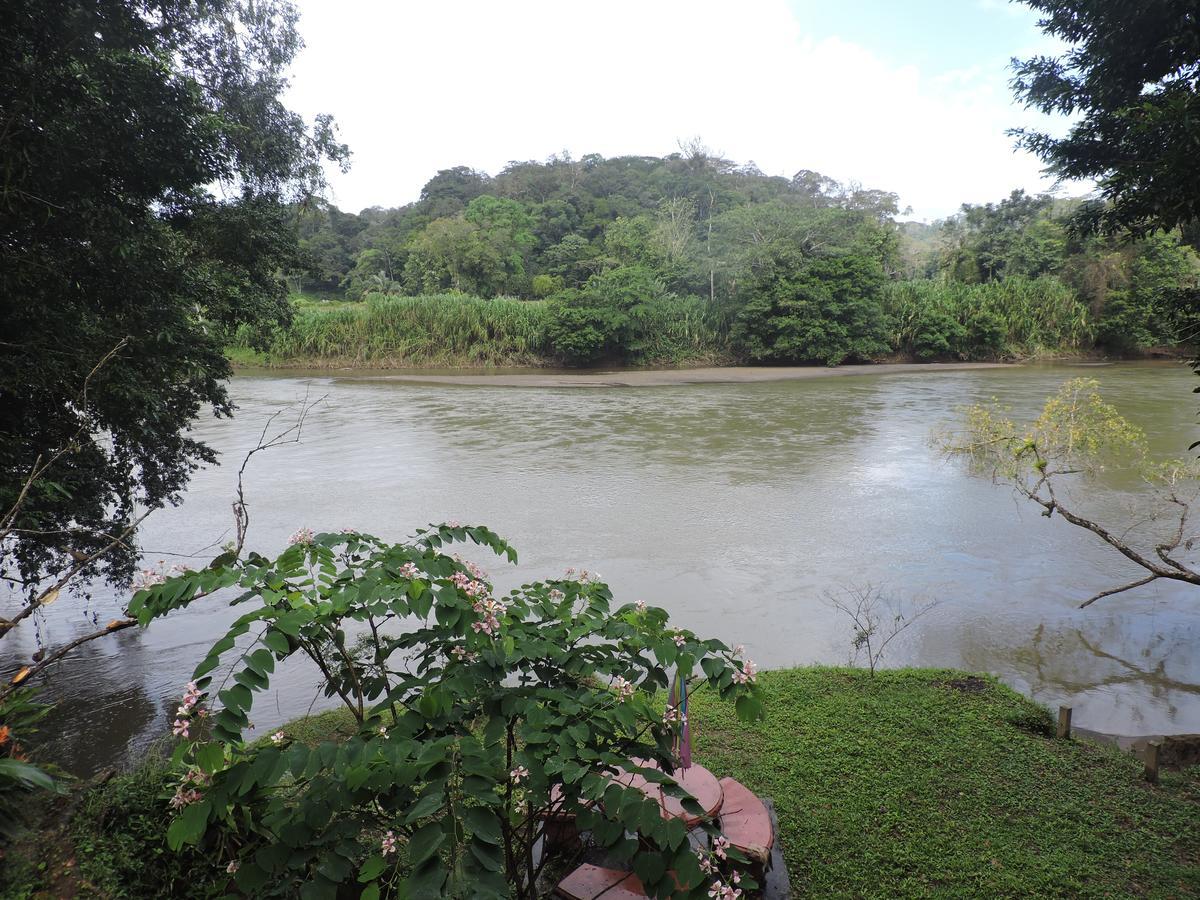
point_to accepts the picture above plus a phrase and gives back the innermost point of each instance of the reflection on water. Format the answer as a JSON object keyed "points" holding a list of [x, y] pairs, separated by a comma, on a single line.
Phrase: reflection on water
{"points": [[736, 506]]}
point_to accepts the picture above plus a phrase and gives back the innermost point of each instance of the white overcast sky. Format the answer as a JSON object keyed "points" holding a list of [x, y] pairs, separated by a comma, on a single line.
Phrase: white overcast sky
{"points": [[906, 96]]}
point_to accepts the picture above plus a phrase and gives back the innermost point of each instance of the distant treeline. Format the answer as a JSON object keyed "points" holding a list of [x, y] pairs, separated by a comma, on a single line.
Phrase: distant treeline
{"points": [[689, 257]]}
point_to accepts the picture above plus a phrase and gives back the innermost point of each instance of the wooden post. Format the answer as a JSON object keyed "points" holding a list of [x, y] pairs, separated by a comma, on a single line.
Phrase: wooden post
{"points": [[1064, 722], [1151, 758]]}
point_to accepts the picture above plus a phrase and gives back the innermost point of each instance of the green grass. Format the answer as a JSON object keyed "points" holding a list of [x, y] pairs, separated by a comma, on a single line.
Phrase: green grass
{"points": [[906, 786]]}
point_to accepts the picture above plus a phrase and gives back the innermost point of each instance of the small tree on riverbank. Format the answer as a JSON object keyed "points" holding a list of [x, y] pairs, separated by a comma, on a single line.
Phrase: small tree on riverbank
{"points": [[1077, 436], [479, 721], [877, 620]]}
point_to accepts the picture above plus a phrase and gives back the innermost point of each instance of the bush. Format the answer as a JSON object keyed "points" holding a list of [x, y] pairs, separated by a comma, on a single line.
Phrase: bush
{"points": [[804, 308], [627, 315], [476, 717]]}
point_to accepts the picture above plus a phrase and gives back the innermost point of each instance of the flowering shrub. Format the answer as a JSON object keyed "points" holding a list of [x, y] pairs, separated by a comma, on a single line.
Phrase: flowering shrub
{"points": [[478, 716]]}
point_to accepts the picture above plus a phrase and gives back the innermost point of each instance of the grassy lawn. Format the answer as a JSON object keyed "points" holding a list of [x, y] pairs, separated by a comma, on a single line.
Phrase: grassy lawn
{"points": [[923, 783]]}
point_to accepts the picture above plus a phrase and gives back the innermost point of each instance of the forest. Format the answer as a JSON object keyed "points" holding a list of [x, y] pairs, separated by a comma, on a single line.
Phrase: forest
{"points": [[691, 258]]}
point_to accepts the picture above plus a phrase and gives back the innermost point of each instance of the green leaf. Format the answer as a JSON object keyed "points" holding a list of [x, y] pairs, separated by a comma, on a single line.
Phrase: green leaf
{"points": [[425, 842], [370, 892], [236, 698], [649, 867], [278, 642], [210, 757], [262, 661], [30, 776], [483, 824], [424, 807], [427, 881], [189, 826], [490, 856], [371, 868], [749, 708]]}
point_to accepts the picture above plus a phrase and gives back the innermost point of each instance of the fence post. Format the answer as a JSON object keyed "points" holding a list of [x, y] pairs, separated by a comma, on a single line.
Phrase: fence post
{"points": [[1151, 758], [1064, 722]]}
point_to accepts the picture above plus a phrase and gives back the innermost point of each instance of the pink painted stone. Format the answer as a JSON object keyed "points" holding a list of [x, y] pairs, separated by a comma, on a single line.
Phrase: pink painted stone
{"points": [[589, 882], [745, 821], [701, 784]]}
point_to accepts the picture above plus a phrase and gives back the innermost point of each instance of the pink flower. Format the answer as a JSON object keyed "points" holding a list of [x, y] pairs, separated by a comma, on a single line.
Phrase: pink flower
{"points": [[747, 673], [739, 649], [278, 738], [519, 774], [410, 570], [673, 715], [720, 845], [180, 729], [641, 606], [475, 570], [623, 688], [489, 626], [148, 578], [388, 844], [706, 863], [302, 536], [233, 866], [184, 797], [464, 655], [556, 595], [678, 638], [454, 523]]}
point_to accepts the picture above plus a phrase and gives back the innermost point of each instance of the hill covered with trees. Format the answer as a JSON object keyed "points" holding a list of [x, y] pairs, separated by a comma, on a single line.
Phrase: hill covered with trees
{"points": [[691, 258]]}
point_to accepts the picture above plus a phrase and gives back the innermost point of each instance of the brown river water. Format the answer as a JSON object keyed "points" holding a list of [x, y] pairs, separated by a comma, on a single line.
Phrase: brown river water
{"points": [[736, 506]]}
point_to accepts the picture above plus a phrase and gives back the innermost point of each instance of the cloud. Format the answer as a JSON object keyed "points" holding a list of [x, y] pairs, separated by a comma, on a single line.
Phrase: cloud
{"points": [[417, 87]]}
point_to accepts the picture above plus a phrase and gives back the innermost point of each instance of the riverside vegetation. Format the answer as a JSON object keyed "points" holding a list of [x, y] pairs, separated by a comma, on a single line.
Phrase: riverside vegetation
{"points": [[911, 783], [689, 258]]}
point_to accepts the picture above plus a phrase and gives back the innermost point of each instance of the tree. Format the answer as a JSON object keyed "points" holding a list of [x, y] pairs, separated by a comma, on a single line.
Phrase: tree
{"points": [[1130, 78], [149, 177], [450, 190], [986, 242], [804, 285], [1049, 461]]}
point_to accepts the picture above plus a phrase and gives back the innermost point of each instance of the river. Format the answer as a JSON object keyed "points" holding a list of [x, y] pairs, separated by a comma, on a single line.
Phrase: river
{"points": [[736, 506]]}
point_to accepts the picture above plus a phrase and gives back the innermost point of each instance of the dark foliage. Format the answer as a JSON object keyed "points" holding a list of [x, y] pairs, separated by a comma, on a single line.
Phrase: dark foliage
{"points": [[149, 177]]}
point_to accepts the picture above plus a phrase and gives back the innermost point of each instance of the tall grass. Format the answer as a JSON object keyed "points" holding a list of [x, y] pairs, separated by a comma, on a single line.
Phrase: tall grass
{"points": [[677, 330], [1016, 317], [429, 330]]}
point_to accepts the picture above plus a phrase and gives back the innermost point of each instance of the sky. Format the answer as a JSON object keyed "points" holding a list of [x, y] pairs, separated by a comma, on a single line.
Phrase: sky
{"points": [[909, 96]]}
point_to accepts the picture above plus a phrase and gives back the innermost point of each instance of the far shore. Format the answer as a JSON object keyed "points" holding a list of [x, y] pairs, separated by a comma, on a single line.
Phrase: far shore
{"points": [[666, 377], [618, 377]]}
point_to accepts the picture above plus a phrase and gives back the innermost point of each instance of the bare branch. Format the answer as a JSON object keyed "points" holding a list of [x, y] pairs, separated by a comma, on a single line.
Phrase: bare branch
{"points": [[29, 672], [1119, 590], [290, 435]]}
